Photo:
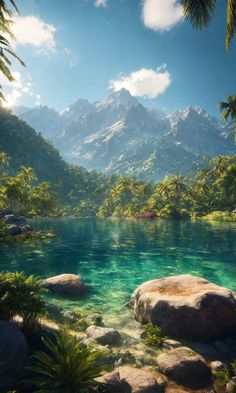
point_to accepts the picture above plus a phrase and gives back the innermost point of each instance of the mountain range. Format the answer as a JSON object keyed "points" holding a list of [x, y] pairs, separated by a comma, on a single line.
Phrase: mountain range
{"points": [[119, 135]]}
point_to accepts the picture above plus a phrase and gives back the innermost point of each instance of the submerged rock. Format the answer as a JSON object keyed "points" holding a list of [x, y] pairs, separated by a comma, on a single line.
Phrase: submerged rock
{"points": [[185, 367], [186, 306], [13, 355], [104, 336], [69, 284]]}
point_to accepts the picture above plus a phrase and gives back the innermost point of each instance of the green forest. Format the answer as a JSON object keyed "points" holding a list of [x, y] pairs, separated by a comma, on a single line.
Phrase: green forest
{"points": [[37, 182]]}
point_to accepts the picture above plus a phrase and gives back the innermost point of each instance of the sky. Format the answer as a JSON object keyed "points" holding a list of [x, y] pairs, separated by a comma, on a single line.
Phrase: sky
{"points": [[86, 48]]}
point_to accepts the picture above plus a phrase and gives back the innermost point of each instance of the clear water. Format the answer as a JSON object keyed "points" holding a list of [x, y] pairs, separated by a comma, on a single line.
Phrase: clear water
{"points": [[114, 256]]}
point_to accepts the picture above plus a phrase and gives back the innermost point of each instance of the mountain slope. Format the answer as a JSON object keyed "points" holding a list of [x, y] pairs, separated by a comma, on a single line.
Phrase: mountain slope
{"points": [[119, 135], [26, 147]]}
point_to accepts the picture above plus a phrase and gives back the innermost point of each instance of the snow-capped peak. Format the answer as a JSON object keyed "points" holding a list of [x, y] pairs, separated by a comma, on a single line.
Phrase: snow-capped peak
{"points": [[116, 98]]}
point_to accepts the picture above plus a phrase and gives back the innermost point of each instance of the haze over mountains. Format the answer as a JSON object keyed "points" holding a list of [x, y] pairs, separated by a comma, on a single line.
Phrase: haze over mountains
{"points": [[119, 135]]}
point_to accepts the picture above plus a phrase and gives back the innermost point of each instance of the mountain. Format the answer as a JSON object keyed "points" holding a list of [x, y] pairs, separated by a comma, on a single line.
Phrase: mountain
{"points": [[26, 147], [119, 135]]}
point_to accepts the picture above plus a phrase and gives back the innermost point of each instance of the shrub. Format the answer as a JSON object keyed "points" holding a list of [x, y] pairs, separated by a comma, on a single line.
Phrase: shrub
{"points": [[173, 213], [4, 230], [152, 335], [233, 365], [221, 378], [220, 216], [21, 295], [67, 366]]}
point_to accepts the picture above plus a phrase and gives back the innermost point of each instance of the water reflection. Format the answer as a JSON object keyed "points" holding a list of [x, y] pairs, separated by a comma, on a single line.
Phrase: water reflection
{"points": [[114, 256]]}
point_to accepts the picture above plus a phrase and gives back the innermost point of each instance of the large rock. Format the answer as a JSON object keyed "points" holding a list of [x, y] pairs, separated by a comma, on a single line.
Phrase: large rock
{"points": [[13, 355], [14, 219], [69, 284], [185, 367], [14, 230], [130, 379], [186, 306], [140, 380], [104, 336], [114, 383]]}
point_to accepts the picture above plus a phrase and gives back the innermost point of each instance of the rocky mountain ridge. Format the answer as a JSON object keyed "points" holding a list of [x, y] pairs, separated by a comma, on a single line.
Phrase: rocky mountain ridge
{"points": [[119, 135]]}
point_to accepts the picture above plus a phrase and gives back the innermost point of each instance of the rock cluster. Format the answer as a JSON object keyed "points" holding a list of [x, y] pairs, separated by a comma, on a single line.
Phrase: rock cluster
{"points": [[16, 223]]}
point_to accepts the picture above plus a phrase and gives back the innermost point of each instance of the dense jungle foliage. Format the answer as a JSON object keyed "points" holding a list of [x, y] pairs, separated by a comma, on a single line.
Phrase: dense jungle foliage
{"points": [[36, 181]]}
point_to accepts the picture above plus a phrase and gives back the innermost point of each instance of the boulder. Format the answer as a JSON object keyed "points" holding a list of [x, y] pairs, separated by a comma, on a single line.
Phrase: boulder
{"points": [[104, 336], [186, 306], [129, 379], [13, 355], [185, 367], [68, 284], [13, 219], [14, 230], [231, 386], [140, 380], [114, 384], [217, 365]]}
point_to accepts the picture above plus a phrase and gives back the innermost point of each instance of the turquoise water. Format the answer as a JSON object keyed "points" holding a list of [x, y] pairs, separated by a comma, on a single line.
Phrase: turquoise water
{"points": [[114, 256]]}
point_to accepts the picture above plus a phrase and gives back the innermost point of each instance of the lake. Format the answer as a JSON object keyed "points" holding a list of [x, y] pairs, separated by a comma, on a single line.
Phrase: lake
{"points": [[115, 256]]}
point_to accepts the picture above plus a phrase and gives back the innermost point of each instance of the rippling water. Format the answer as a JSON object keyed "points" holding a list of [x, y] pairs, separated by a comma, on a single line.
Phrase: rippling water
{"points": [[114, 256]]}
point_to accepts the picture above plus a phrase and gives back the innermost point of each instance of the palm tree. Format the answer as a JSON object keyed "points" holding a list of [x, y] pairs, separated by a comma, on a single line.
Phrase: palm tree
{"points": [[201, 12], [67, 366], [5, 46], [228, 110]]}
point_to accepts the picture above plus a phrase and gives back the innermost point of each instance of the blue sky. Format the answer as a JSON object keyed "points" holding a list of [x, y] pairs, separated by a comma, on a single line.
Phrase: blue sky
{"points": [[76, 48]]}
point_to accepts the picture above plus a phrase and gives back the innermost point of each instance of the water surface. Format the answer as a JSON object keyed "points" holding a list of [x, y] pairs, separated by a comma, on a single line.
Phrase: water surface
{"points": [[114, 256]]}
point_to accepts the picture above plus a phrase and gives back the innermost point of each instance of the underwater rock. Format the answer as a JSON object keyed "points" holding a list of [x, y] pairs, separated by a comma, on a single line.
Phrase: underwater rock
{"points": [[13, 355], [68, 284], [104, 336], [69, 315], [186, 306], [185, 367]]}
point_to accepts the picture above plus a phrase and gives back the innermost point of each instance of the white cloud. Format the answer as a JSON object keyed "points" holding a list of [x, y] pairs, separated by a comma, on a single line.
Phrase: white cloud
{"points": [[15, 90], [101, 3], [145, 82], [161, 15], [31, 30]]}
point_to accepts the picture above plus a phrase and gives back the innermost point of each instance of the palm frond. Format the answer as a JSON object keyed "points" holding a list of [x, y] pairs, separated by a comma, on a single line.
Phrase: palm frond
{"points": [[230, 23], [199, 12]]}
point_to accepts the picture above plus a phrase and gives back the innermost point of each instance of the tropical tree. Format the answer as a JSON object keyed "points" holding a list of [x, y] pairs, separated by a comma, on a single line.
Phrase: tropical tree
{"points": [[5, 46], [228, 110], [201, 12]]}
